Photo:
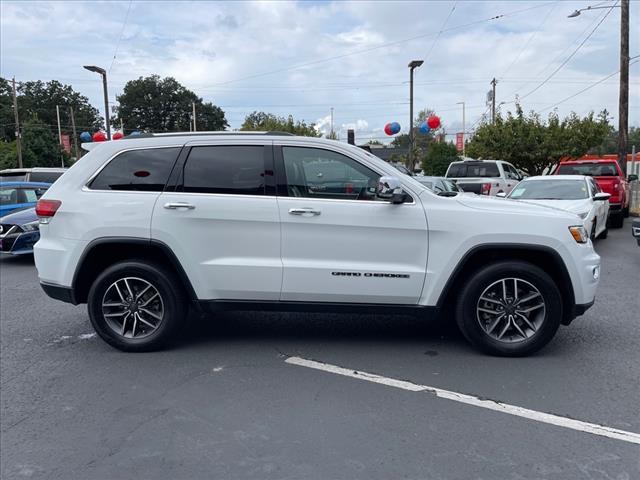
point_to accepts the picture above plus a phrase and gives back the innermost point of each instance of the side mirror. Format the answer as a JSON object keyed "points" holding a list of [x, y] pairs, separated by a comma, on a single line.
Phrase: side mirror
{"points": [[601, 197], [501, 195], [390, 188], [633, 177]]}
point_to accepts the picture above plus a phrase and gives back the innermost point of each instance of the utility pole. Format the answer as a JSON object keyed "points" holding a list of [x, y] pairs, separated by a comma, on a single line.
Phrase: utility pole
{"points": [[103, 73], [463, 128], [15, 112], [193, 106], [121, 126], [59, 135], [493, 101], [332, 123], [623, 101], [75, 136]]}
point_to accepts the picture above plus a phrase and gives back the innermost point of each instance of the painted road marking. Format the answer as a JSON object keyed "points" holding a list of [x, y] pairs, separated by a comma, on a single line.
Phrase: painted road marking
{"points": [[549, 418]]}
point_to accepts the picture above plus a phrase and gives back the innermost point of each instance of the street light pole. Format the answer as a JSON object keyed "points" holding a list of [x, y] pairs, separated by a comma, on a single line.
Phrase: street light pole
{"points": [[623, 95], [103, 72], [463, 129], [412, 66]]}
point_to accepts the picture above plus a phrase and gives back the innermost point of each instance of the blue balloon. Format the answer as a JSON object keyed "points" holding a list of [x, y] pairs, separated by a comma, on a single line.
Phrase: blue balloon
{"points": [[85, 136], [424, 127], [395, 128]]}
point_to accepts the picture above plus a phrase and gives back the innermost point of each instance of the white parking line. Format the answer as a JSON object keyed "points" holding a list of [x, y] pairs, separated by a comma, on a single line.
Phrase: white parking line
{"points": [[559, 421]]}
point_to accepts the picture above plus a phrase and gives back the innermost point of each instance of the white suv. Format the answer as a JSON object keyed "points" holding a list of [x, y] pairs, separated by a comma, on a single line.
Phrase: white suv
{"points": [[141, 229], [484, 177]]}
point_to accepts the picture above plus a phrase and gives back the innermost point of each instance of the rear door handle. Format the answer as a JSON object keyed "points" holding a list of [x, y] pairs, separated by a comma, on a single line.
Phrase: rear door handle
{"points": [[176, 205], [303, 211]]}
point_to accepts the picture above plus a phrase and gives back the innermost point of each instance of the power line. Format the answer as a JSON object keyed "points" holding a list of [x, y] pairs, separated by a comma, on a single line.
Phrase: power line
{"points": [[531, 37], [444, 24], [570, 56], [378, 47], [124, 24], [590, 86]]}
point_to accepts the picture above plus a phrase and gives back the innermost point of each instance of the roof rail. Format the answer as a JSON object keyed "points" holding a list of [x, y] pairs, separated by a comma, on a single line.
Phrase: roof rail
{"points": [[197, 134]]}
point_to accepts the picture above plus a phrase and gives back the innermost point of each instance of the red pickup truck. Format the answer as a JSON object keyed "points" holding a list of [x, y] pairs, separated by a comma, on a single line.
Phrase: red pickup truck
{"points": [[609, 176]]}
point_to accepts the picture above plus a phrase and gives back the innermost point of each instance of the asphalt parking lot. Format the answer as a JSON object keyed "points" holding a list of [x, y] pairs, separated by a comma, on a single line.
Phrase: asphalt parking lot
{"points": [[224, 403]]}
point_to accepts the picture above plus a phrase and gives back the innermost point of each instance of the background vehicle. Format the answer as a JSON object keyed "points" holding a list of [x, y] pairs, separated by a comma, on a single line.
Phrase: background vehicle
{"points": [[484, 177], [608, 174], [578, 194], [19, 231], [36, 174], [19, 195], [123, 232], [635, 229], [440, 185]]}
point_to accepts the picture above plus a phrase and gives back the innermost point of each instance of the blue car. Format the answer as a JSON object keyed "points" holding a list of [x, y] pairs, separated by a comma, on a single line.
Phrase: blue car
{"points": [[19, 195], [19, 231]]}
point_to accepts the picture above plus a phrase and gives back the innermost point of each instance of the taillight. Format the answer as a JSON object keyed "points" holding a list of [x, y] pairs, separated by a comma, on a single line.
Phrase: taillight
{"points": [[45, 209], [486, 189]]}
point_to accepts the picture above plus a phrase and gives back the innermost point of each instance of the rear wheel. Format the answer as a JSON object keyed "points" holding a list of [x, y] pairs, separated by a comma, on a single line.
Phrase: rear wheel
{"points": [[625, 212], [511, 308], [136, 306], [617, 220]]}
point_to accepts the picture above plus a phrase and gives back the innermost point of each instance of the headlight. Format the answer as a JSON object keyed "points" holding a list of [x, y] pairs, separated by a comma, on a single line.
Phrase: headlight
{"points": [[579, 234], [583, 215], [31, 226]]}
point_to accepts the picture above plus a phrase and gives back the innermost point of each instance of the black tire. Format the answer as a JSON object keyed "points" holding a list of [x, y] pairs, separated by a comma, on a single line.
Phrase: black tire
{"points": [[171, 299], [625, 212], [617, 220], [604, 234], [593, 230], [549, 319]]}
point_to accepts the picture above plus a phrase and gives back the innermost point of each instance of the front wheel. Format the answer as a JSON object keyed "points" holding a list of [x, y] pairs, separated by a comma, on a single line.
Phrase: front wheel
{"points": [[510, 308], [136, 306]]}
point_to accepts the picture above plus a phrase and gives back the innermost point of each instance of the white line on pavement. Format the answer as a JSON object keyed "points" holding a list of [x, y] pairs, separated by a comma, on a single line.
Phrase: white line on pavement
{"points": [[559, 421]]}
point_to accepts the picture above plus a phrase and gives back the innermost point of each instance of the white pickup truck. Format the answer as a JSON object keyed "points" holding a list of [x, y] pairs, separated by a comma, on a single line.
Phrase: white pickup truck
{"points": [[484, 177]]}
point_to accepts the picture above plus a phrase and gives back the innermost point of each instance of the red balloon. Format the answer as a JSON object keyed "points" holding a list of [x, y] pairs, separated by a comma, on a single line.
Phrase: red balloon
{"points": [[433, 121], [99, 136], [387, 129], [117, 136]]}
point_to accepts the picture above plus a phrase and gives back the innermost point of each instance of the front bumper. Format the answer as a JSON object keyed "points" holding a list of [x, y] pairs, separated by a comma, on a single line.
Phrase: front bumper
{"points": [[19, 243]]}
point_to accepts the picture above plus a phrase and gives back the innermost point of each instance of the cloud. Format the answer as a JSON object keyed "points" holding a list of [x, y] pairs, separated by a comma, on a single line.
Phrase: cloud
{"points": [[303, 58]]}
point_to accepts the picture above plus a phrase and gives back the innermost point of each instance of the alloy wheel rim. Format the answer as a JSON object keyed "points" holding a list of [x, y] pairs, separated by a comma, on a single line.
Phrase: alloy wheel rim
{"points": [[511, 310], [132, 307]]}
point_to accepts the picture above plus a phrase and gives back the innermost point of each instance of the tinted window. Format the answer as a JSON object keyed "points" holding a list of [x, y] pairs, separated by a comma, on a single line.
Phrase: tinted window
{"points": [[473, 169], [550, 190], [146, 170], [450, 186], [30, 195], [317, 173], [8, 196], [13, 177], [595, 169], [47, 177], [225, 169]]}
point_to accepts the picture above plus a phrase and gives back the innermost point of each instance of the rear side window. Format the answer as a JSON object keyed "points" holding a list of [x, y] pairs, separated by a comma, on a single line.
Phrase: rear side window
{"points": [[228, 169], [46, 177], [30, 195], [473, 169], [137, 170]]}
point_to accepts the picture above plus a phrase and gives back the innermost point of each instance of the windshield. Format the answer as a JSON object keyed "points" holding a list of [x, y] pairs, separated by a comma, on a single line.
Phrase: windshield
{"points": [[596, 169], [551, 190], [473, 169]]}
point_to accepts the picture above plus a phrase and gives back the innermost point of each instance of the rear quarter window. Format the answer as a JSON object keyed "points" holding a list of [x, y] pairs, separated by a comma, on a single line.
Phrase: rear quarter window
{"points": [[137, 170]]}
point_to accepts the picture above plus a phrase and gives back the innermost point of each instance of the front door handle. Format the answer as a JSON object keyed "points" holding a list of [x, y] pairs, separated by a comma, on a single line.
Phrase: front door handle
{"points": [[303, 211], [176, 205]]}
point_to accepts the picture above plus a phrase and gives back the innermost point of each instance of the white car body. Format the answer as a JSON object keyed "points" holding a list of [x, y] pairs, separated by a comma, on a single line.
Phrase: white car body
{"points": [[588, 209], [505, 176], [246, 248]]}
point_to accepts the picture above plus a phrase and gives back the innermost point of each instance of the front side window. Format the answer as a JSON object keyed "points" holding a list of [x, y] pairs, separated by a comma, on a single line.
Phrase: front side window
{"points": [[318, 173], [227, 169], [137, 170]]}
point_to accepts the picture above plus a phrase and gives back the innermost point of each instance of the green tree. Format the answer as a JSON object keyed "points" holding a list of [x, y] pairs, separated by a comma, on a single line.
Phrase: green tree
{"points": [[268, 122], [7, 127], [533, 144], [163, 105], [438, 157], [40, 147], [374, 142], [8, 155], [610, 143]]}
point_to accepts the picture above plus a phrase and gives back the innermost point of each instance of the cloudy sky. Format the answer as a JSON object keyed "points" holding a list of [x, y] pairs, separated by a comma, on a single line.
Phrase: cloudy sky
{"points": [[303, 58]]}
